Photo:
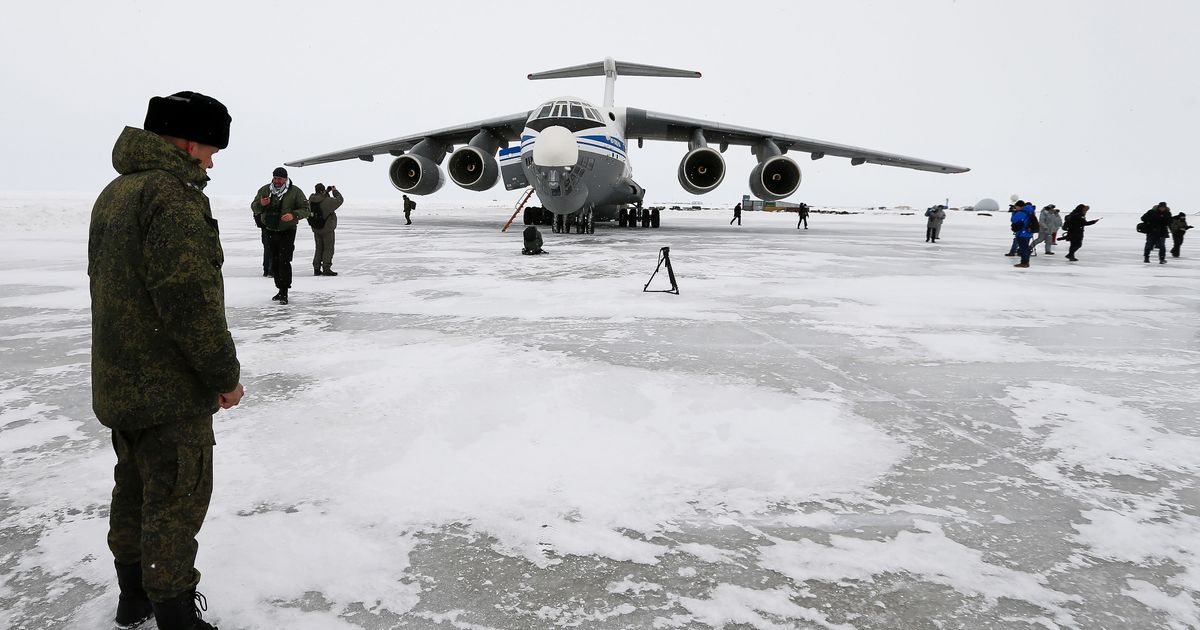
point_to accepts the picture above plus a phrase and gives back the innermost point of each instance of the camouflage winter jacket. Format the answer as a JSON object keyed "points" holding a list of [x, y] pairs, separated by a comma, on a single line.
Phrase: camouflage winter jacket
{"points": [[270, 216], [161, 348]]}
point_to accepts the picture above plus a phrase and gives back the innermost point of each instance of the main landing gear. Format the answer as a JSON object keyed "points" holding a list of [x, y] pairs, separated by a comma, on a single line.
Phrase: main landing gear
{"points": [[632, 217]]}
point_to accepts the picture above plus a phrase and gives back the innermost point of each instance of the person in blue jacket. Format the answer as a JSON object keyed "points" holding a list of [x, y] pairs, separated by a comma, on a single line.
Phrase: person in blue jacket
{"points": [[1020, 222]]}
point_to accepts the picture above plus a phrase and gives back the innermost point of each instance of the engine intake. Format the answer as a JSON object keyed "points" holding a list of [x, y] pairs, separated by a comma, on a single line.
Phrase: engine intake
{"points": [[775, 178], [701, 170], [415, 174], [473, 169]]}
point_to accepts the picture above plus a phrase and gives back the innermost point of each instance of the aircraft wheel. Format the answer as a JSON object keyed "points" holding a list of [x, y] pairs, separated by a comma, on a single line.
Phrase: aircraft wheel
{"points": [[622, 217], [528, 216], [654, 217]]}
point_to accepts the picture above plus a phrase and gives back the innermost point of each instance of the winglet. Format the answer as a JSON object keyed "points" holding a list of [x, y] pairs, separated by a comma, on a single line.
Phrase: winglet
{"points": [[610, 69]]}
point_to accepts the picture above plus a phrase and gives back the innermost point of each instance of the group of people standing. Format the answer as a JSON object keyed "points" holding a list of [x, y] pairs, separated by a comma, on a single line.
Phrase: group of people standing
{"points": [[278, 208], [1156, 224], [1024, 224]]}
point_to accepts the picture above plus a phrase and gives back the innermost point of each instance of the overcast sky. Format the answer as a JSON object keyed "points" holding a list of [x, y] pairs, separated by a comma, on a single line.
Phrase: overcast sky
{"points": [[1063, 102]]}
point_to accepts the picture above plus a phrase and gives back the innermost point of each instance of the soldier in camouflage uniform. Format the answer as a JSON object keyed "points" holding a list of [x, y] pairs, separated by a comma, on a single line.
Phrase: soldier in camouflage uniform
{"points": [[163, 361], [279, 206]]}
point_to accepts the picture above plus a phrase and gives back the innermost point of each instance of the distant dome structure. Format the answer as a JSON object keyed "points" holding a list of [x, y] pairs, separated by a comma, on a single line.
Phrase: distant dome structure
{"points": [[987, 205]]}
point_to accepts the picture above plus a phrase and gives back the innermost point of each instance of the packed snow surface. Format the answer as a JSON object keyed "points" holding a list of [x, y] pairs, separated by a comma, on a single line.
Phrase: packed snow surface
{"points": [[843, 427]]}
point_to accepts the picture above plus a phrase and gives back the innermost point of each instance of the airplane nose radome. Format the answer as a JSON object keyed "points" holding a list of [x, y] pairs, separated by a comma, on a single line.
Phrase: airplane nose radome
{"points": [[555, 146]]}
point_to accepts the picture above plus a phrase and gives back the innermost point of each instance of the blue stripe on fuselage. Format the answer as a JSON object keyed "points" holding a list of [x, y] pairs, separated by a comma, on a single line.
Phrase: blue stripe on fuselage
{"points": [[610, 141]]}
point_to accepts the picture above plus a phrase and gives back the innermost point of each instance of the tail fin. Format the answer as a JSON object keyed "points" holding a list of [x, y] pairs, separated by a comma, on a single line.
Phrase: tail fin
{"points": [[610, 69]]}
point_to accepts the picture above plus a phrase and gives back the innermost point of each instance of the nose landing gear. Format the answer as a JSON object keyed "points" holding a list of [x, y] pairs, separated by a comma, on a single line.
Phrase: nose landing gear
{"points": [[582, 222]]}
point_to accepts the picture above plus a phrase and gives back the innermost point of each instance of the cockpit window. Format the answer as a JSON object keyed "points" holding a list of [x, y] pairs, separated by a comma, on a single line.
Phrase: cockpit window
{"points": [[568, 109], [574, 115]]}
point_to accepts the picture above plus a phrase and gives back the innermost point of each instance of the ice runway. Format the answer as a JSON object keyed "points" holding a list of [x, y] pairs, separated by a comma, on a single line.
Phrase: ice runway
{"points": [[843, 427]]}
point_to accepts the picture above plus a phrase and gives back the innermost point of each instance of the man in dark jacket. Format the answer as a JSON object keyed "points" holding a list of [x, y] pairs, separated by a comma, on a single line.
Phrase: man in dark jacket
{"points": [[1158, 224], [803, 219], [737, 215], [1179, 226], [324, 204], [279, 206], [1074, 224], [409, 206], [163, 361]]}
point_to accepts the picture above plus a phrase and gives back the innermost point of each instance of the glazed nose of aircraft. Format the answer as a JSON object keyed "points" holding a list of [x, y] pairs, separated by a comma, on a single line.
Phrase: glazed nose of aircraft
{"points": [[555, 147]]}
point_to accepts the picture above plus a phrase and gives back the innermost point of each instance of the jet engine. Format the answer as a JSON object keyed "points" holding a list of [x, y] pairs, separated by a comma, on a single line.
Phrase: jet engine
{"points": [[701, 170], [775, 178], [416, 174], [473, 169]]}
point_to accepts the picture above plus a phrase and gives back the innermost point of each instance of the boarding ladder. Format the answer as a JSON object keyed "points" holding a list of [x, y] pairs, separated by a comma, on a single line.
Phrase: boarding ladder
{"points": [[520, 205]]}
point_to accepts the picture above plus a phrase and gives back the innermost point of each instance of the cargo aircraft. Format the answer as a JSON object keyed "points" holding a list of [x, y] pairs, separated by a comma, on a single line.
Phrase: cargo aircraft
{"points": [[575, 156]]}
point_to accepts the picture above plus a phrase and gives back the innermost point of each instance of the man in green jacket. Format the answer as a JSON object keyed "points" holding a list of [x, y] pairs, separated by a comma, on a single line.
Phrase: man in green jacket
{"points": [[324, 204], [279, 206], [163, 361]]}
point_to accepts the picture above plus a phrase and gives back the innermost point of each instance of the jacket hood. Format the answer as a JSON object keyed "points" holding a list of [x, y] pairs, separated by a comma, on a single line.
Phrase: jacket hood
{"points": [[138, 150]]}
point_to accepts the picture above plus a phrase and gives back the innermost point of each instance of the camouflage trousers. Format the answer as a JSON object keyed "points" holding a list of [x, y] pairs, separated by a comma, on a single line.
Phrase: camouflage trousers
{"points": [[164, 480]]}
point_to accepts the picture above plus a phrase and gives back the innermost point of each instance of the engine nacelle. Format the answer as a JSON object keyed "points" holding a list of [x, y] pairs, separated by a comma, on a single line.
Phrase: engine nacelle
{"points": [[473, 169], [701, 170], [415, 174], [775, 178]]}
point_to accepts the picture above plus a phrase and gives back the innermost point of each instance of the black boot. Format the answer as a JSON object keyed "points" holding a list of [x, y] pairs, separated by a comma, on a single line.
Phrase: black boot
{"points": [[328, 272], [316, 270], [283, 296], [278, 296], [133, 607], [182, 612]]}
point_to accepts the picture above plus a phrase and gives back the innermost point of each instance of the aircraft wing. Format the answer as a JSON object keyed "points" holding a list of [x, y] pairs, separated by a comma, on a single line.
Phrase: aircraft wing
{"points": [[640, 123], [505, 127]]}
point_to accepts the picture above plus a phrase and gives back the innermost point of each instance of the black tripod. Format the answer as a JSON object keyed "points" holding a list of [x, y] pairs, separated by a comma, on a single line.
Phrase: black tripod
{"points": [[664, 256]]}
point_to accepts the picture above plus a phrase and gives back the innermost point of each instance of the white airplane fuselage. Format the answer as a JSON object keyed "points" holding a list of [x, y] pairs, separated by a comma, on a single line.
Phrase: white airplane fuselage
{"points": [[574, 156]]}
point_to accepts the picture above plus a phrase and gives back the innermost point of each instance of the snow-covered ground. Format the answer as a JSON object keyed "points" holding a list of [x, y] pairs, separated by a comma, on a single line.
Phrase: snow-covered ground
{"points": [[843, 427]]}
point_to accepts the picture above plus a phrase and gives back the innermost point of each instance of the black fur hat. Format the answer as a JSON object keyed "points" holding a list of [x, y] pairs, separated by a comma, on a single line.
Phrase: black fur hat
{"points": [[191, 116]]}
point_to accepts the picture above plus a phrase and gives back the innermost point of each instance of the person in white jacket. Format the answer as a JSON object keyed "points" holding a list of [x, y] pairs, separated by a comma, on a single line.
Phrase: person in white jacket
{"points": [[1049, 221]]}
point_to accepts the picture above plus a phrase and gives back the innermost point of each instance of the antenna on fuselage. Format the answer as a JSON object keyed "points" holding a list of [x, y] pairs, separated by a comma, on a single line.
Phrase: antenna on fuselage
{"points": [[609, 69]]}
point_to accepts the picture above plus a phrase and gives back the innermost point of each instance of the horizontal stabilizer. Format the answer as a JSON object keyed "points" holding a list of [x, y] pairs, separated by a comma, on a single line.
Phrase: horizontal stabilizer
{"points": [[626, 69], [622, 68]]}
